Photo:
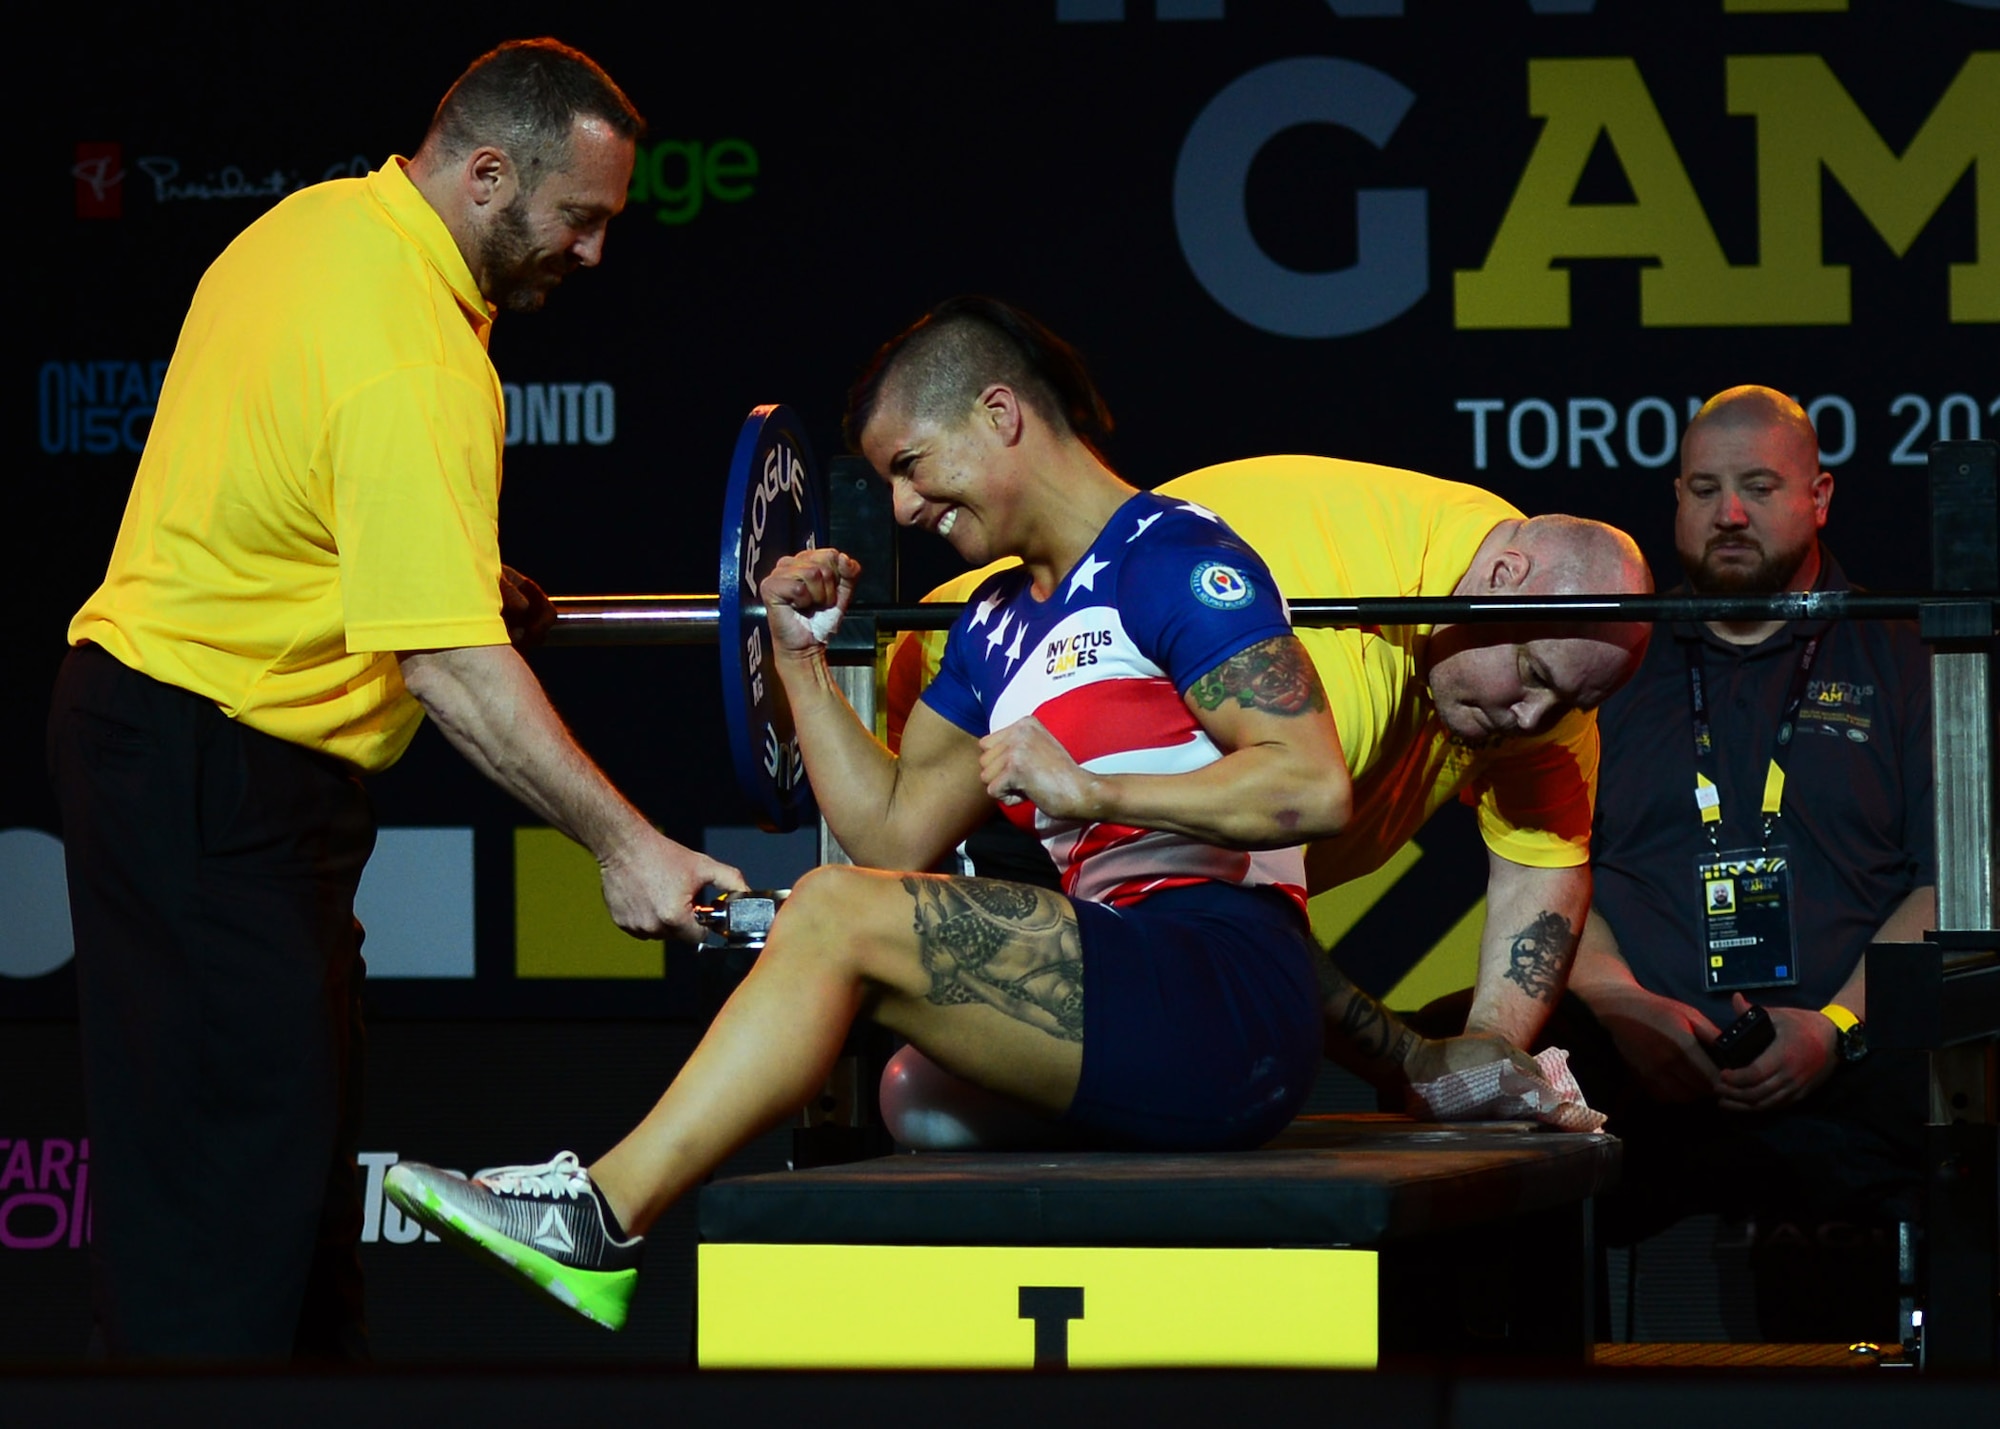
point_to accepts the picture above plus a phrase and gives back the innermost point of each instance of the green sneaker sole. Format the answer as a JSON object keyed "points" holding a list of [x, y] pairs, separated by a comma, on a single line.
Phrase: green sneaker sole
{"points": [[601, 1296]]}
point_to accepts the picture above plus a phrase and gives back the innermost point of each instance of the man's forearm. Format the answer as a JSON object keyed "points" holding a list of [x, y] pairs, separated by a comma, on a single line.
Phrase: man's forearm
{"points": [[1599, 967], [492, 709], [1533, 916], [1362, 1035]]}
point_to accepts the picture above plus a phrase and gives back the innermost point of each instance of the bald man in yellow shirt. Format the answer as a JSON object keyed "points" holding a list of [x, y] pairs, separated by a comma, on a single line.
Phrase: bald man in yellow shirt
{"points": [[1500, 717], [308, 564]]}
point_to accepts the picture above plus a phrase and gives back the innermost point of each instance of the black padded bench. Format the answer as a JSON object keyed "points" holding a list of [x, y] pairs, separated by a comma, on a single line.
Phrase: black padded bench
{"points": [[1347, 1239]]}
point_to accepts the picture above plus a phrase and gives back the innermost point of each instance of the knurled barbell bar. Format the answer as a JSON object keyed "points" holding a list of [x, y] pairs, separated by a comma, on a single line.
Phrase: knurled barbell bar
{"points": [[694, 619]]}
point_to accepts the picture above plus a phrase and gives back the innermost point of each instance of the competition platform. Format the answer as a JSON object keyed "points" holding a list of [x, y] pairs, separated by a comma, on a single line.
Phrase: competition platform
{"points": [[1347, 1239]]}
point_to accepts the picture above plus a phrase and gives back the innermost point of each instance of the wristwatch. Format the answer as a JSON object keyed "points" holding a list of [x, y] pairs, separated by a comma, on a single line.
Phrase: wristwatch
{"points": [[1851, 1033]]}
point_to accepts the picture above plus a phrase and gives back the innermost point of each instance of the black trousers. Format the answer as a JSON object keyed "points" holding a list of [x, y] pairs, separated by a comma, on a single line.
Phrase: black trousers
{"points": [[212, 872]]}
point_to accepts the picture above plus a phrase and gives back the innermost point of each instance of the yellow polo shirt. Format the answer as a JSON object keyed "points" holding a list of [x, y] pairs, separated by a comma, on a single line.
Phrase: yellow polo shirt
{"points": [[321, 485], [1329, 529]]}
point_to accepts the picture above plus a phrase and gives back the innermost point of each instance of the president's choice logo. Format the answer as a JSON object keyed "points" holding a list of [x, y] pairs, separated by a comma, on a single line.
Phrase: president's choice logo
{"points": [[1220, 586], [99, 172], [102, 179]]}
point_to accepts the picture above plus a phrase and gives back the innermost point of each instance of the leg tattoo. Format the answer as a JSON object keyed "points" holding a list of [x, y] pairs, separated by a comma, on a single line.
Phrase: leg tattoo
{"points": [[1007, 945], [1539, 956]]}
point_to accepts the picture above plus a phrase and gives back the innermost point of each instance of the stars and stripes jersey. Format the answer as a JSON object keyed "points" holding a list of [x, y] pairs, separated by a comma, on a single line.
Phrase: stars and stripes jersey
{"points": [[1164, 595], [1331, 528]]}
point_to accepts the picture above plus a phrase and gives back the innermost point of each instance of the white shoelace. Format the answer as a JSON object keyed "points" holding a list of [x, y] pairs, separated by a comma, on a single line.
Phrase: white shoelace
{"points": [[563, 1176]]}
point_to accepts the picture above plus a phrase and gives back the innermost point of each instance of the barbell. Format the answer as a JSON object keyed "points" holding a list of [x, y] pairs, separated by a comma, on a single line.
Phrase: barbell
{"points": [[771, 508]]}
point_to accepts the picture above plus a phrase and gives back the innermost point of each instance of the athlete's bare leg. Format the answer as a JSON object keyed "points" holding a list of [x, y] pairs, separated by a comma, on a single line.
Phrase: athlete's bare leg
{"points": [[986, 978]]}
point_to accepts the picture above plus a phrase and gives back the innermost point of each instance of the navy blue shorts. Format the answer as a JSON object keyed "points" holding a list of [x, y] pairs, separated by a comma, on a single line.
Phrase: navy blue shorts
{"points": [[1201, 1019]]}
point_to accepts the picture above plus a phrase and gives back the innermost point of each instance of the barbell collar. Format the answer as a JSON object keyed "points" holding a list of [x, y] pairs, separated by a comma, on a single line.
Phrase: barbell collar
{"points": [[692, 619]]}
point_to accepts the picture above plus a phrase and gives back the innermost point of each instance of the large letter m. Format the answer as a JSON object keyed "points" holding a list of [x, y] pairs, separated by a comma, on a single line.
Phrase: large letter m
{"points": [[1806, 120]]}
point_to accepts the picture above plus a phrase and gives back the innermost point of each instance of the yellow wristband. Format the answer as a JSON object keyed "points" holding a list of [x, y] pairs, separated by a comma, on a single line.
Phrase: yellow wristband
{"points": [[1839, 1016]]}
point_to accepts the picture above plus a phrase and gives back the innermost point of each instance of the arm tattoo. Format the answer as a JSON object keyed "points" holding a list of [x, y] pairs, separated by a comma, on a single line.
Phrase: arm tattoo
{"points": [[1009, 946], [1362, 1035], [1372, 1030], [1538, 958], [1276, 676]]}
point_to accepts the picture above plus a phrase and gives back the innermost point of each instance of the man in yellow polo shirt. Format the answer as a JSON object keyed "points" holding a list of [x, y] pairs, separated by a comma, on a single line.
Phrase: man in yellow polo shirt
{"points": [[1501, 717], [308, 563]]}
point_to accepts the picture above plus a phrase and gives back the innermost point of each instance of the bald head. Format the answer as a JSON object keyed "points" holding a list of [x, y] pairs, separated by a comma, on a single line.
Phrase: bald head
{"points": [[1751, 497], [1760, 409], [1491, 681], [1573, 556]]}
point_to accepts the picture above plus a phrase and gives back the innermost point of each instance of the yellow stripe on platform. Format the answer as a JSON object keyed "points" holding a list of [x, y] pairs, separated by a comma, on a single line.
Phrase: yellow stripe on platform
{"points": [[561, 928], [959, 1307]]}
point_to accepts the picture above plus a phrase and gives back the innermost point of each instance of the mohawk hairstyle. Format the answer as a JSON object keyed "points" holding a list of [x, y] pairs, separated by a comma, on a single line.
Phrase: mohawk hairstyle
{"points": [[939, 365]]}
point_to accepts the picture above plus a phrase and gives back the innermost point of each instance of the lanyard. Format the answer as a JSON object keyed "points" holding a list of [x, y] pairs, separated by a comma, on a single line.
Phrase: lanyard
{"points": [[1707, 798]]}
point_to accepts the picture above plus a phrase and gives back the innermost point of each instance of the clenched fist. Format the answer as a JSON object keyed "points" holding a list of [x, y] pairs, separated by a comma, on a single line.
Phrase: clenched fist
{"points": [[805, 596], [1024, 761]]}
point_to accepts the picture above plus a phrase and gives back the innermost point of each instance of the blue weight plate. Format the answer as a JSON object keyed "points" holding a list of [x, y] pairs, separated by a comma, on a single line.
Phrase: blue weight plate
{"points": [[771, 509]]}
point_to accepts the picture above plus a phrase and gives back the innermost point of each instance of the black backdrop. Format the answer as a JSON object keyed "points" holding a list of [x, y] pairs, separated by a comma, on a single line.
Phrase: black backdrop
{"points": [[819, 173]]}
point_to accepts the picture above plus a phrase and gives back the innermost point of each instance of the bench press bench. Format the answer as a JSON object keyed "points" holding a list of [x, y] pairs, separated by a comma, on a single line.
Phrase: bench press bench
{"points": [[1348, 1239]]}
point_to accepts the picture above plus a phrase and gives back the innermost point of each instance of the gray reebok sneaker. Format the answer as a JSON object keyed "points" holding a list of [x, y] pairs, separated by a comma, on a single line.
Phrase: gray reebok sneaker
{"points": [[540, 1224]]}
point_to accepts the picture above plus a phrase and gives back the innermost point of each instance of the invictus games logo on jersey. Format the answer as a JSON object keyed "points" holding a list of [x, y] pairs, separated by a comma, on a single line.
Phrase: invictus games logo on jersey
{"points": [[1832, 694], [1838, 707], [1074, 652], [1220, 586]]}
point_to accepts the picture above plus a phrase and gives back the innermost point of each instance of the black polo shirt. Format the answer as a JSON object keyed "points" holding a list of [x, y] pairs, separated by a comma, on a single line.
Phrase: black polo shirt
{"points": [[1855, 817]]}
